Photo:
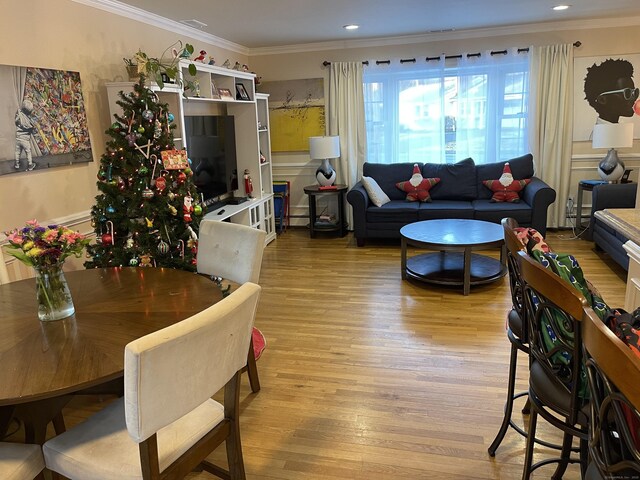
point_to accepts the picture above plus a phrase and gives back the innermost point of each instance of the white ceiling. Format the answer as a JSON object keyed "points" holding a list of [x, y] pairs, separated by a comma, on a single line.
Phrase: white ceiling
{"points": [[275, 23]]}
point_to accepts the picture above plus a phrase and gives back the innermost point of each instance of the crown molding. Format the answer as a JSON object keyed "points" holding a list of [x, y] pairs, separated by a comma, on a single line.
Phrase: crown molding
{"points": [[451, 35], [134, 13]]}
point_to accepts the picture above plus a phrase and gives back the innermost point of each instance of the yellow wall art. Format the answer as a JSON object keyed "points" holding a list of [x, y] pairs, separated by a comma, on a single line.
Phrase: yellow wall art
{"points": [[296, 112]]}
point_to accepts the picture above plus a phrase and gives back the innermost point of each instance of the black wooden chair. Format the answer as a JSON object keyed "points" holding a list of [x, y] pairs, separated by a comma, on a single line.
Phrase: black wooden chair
{"points": [[554, 309], [613, 372], [518, 335]]}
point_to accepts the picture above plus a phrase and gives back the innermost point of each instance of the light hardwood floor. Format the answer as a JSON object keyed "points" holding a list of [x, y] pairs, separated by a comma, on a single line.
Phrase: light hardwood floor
{"points": [[366, 376]]}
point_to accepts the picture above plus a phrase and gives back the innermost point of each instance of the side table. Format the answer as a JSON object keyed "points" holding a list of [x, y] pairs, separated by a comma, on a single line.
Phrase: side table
{"points": [[340, 226], [582, 186]]}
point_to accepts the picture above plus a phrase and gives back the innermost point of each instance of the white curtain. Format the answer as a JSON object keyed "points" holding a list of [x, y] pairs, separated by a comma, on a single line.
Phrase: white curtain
{"points": [[551, 117], [346, 119]]}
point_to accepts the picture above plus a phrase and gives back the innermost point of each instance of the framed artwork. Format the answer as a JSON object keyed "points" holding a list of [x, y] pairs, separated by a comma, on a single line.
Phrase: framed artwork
{"points": [[225, 94], [44, 122], [214, 91], [296, 112], [605, 91], [241, 92]]}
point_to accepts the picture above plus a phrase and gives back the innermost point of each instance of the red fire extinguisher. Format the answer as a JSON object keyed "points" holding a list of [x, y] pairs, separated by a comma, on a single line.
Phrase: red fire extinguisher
{"points": [[248, 184]]}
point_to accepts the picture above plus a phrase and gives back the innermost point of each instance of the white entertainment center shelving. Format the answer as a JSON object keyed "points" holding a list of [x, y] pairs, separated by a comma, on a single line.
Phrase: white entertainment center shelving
{"points": [[253, 147]]}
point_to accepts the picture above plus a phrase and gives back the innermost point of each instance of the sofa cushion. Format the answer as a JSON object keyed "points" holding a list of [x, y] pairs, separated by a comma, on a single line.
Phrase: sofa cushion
{"points": [[494, 212], [457, 180], [521, 167], [439, 209], [376, 195], [396, 211], [388, 175], [417, 187], [506, 188]]}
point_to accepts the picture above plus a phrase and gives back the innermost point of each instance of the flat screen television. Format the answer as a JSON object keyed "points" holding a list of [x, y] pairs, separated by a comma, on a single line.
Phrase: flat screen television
{"points": [[211, 146]]}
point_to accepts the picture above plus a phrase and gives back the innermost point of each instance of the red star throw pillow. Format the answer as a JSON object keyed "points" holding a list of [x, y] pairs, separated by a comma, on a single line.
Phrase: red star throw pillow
{"points": [[505, 189], [417, 187]]}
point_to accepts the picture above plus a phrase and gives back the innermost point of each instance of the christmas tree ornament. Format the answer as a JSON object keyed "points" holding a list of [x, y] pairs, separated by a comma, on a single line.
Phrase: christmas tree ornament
{"points": [[163, 247], [147, 114], [145, 260], [115, 126], [102, 175], [107, 238], [149, 222], [170, 117], [141, 129], [157, 129], [171, 195], [121, 184], [172, 210], [187, 208], [131, 138], [182, 177], [181, 248], [129, 243], [188, 171], [147, 193], [110, 209], [133, 262], [143, 170], [161, 183], [197, 210]]}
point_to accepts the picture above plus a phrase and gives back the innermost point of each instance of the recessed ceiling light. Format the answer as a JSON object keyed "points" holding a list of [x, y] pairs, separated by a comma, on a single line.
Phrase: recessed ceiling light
{"points": [[561, 7], [351, 26]]}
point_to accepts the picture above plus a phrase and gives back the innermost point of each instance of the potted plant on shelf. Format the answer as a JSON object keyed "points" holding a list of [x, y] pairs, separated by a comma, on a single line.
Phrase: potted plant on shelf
{"points": [[163, 69]]}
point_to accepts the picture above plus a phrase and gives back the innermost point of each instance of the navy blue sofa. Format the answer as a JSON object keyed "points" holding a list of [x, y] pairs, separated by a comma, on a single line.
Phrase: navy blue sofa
{"points": [[611, 195], [460, 194]]}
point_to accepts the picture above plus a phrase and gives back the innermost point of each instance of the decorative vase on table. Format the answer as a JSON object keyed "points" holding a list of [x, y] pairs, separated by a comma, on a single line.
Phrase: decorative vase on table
{"points": [[52, 293], [45, 248]]}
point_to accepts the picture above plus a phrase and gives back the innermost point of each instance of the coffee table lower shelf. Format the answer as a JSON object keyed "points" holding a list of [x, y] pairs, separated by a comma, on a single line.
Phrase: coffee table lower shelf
{"points": [[447, 268]]}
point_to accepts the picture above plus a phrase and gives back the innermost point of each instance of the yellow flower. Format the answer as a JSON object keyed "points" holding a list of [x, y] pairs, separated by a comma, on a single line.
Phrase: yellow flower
{"points": [[34, 252], [27, 246]]}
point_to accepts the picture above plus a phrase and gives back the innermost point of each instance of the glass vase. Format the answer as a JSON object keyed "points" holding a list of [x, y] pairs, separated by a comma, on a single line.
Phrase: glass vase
{"points": [[54, 298]]}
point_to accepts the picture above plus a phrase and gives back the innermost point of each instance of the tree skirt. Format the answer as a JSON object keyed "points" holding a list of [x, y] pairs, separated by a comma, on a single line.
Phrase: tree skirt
{"points": [[259, 342]]}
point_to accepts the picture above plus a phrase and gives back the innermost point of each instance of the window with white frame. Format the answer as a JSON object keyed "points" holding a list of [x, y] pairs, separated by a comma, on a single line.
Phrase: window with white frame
{"points": [[447, 110]]}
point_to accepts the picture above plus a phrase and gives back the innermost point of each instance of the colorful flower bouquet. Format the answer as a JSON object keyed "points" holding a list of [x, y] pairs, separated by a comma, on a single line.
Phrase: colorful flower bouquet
{"points": [[45, 249]]}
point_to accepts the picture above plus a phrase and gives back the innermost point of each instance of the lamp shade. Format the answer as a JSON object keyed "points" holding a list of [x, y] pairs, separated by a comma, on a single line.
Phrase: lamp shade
{"points": [[613, 135], [324, 147]]}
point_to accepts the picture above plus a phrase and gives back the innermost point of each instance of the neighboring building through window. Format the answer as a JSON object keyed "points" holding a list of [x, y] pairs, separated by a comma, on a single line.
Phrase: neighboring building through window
{"points": [[444, 113]]}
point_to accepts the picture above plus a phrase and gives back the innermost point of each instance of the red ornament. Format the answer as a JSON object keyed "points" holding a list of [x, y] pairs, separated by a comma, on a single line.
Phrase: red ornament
{"points": [[161, 183], [182, 177], [107, 239]]}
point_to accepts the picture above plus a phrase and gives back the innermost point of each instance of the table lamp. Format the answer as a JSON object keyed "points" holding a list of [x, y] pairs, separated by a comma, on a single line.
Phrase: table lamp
{"points": [[612, 136], [324, 148]]}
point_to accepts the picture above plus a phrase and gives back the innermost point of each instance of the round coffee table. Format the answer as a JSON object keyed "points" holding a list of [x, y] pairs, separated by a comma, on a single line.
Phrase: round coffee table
{"points": [[453, 264]]}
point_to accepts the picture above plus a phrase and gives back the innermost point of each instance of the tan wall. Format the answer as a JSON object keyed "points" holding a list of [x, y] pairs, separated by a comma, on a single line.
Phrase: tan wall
{"points": [[595, 42], [65, 35]]}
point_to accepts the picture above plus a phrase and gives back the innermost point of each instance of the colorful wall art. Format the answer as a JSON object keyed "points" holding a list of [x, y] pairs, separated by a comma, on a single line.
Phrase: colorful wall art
{"points": [[605, 90], [296, 112], [44, 122]]}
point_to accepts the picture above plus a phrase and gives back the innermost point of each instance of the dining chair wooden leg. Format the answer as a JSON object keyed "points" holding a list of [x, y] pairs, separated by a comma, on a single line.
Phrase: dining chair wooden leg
{"points": [[252, 369], [58, 424], [527, 407]]}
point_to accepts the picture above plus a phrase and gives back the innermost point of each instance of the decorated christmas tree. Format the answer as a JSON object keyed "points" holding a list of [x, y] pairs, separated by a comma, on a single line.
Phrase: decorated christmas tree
{"points": [[147, 212]]}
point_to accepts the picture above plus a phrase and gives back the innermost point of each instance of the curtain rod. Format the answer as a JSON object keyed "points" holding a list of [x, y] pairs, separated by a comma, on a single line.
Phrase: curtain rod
{"points": [[429, 59]]}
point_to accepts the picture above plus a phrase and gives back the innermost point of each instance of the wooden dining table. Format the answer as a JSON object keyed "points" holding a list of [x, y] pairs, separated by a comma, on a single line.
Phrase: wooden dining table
{"points": [[43, 363]]}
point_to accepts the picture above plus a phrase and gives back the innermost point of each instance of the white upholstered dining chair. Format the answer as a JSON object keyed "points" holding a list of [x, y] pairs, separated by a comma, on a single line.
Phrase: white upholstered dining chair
{"points": [[233, 252], [19, 461], [167, 424]]}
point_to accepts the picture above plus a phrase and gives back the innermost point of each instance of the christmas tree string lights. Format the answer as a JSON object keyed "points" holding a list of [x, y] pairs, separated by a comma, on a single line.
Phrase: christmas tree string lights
{"points": [[141, 200]]}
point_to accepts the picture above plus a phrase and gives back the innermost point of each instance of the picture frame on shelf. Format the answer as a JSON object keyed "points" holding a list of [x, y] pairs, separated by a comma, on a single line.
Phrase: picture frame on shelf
{"points": [[214, 91], [241, 92], [225, 94]]}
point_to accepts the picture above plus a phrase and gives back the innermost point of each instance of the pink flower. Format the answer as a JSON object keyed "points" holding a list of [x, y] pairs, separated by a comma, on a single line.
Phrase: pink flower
{"points": [[32, 223], [15, 237]]}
